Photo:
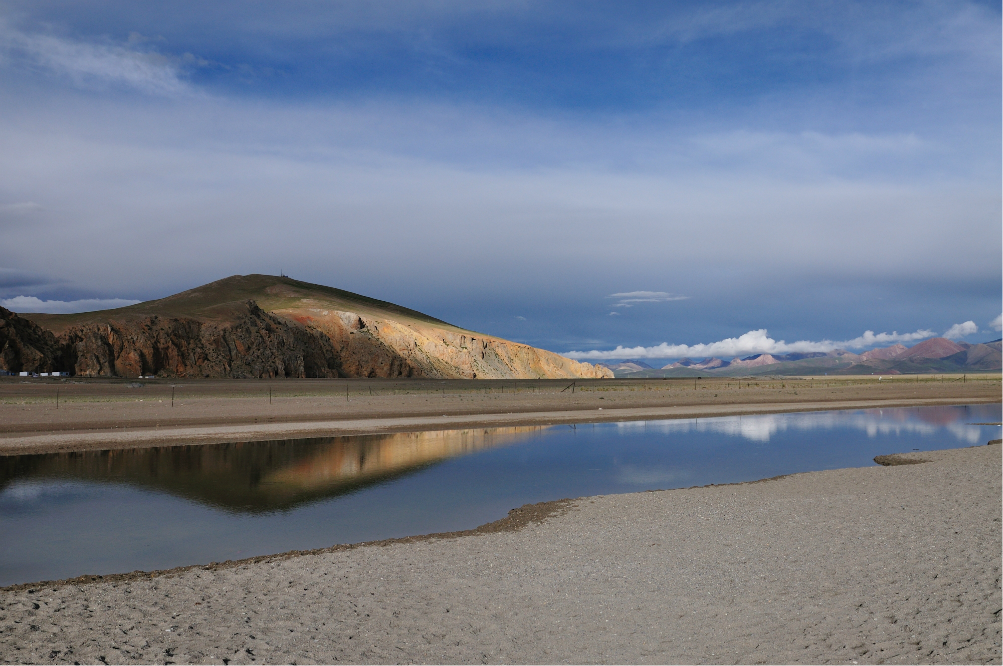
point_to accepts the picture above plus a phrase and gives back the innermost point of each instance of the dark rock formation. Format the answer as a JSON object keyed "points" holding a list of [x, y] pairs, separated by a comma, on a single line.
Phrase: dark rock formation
{"points": [[252, 344], [256, 344], [27, 347]]}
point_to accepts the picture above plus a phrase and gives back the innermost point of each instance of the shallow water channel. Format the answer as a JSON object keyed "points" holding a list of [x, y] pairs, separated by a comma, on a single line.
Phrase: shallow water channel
{"points": [[64, 515]]}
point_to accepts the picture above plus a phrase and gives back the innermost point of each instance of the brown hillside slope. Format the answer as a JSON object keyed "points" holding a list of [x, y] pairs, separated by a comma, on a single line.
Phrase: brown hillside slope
{"points": [[885, 353], [266, 326], [979, 356], [932, 348]]}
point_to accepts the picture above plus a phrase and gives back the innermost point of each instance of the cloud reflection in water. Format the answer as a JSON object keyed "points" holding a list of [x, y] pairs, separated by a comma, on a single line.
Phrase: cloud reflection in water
{"points": [[927, 421]]}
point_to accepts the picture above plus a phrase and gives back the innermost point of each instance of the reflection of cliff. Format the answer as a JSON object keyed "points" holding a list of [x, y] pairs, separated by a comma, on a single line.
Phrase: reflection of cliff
{"points": [[360, 458], [263, 476], [940, 415]]}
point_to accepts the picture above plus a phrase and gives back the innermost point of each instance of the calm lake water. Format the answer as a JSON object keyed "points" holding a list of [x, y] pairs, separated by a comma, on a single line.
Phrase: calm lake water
{"points": [[64, 515]]}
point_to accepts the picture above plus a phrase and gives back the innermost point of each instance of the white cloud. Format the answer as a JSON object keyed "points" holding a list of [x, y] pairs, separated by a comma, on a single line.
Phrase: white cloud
{"points": [[628, 299], [33, 304], [870, 339], [20, 208], [961, 330], [169, 173], [804, 149], [997, 324], [182, 192], [88, 64], [753, 342]]}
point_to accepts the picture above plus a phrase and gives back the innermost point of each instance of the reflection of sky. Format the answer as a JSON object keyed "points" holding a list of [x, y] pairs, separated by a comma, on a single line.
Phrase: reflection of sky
{"points": [[761, 427], [651, 476], [57, 528], [24, 493]]}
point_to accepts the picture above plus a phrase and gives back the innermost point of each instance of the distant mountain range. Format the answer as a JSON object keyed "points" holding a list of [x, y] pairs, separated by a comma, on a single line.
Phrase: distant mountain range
{"points": [[936, 355]]}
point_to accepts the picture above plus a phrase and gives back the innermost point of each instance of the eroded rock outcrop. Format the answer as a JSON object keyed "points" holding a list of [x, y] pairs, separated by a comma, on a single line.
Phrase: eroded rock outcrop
{"points": [[267, 326], [382, 347], [325, 343], [27, 347], [257, 344]]}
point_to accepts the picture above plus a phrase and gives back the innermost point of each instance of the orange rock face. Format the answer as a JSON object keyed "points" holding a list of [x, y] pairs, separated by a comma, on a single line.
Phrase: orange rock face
{"points": [[369, 346], [266, 326], [326, 343]]}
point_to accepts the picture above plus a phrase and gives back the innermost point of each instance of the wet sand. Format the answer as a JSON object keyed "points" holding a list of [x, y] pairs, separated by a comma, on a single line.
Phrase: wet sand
{"points": [[897, 564], [101, 414]]}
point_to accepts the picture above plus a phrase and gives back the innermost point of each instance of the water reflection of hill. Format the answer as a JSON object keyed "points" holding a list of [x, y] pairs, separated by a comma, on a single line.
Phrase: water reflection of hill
{"points": [[263, 476]]}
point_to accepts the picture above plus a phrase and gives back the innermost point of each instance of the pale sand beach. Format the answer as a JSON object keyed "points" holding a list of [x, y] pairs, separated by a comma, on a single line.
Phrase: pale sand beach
{"points": [[897, 564]]}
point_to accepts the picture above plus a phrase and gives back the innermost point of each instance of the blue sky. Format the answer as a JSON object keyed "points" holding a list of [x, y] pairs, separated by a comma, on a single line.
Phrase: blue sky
{"points": [[577, 176]]}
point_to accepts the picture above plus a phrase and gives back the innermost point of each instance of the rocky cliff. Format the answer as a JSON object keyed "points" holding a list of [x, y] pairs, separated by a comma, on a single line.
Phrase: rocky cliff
{"points": [[382, 347], [27, 347], [255, 344], [286, 329]]}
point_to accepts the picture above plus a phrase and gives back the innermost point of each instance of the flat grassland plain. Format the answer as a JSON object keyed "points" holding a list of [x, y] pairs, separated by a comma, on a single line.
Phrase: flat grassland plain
{"points": [[895, 564]]}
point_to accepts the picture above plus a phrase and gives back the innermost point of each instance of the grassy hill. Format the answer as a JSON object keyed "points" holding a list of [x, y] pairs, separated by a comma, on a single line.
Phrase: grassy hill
{"points": [[224, 300], [267, 326]]}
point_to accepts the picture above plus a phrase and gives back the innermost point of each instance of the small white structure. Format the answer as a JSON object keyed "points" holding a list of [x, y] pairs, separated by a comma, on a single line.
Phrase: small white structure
{"points": [[22, 374]]}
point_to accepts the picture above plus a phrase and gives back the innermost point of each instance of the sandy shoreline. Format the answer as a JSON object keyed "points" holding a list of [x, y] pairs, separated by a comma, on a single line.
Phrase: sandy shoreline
{"points": [[142, 437], [105, 415], [879, 564]]}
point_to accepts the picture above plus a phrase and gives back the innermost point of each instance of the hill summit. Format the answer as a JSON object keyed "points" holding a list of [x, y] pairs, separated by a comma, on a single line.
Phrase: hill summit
{"points": [[267, 326]]}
